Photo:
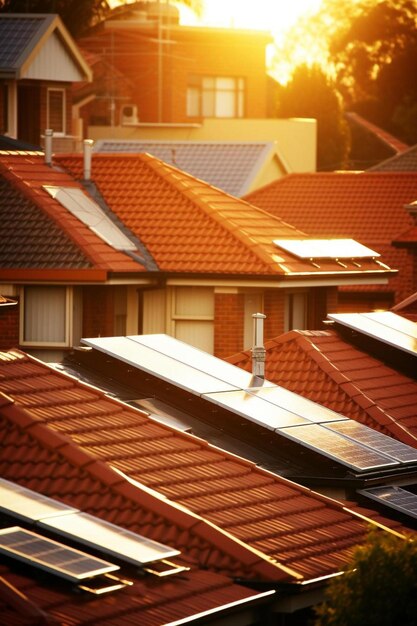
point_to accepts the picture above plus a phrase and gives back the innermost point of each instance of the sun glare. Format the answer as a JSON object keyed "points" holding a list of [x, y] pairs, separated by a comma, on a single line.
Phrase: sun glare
{"points": [[276, 16]]}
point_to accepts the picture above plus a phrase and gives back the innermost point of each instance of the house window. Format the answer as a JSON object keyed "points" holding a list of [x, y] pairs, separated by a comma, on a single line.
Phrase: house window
{"points": [[56, 110], [215, 96], [46, 316], [193, 316], [296, 311]]}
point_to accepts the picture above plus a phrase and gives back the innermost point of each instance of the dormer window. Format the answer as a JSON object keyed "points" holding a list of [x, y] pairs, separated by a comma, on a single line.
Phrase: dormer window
{"points": [[56, 111], [216, 96]]}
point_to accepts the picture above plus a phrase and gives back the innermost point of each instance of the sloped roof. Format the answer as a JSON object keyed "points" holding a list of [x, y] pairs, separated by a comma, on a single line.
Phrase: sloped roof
{"points": [[385, 137], [367, 206], [189, 226], [43, 238], [60, 469], [22, 37], [221, 511], [405, 161], [230, 166], [326, 368]]}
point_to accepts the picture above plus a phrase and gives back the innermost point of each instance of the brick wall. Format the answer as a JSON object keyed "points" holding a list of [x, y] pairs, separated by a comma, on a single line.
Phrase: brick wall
{"points": [[274, 309], [9, 326], [98, 311], [228, 323]]}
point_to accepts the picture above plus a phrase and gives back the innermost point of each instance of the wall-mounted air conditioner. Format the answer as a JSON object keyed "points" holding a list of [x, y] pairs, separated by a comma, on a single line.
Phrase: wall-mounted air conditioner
{"points": [[129, 114]]}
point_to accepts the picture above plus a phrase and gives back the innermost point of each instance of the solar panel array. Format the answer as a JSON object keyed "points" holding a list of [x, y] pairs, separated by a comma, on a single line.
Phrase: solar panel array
{"points": [[326, 248], [86, 529], [269, 406], [51, 556], [113, 540], [395, 497], [392, 329]]}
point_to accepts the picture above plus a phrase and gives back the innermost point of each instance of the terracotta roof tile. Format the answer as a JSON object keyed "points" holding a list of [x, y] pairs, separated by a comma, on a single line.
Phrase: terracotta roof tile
{"points": [[366, 206], [343, 378], [43, 235], [236, 516], [189, 226]]}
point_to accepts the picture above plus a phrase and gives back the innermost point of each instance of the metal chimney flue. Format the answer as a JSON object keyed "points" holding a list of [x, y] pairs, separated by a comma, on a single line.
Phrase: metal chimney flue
{"points": [[258, 350], [88, 148], [48, 145]]}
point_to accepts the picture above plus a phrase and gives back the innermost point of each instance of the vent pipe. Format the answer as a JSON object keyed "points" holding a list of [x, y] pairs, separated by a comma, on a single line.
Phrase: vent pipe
{"points": [[258, 350], [88, 147], [48, 145]]}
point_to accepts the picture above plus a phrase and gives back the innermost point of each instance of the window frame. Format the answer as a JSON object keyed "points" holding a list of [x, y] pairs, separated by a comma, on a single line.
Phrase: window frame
{"points": [[208, 85], [63, 132], [68, 307]]}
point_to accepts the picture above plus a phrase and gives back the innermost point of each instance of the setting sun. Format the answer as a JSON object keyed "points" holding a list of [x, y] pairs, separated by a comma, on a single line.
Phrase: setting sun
{"points": [[276, 17]]}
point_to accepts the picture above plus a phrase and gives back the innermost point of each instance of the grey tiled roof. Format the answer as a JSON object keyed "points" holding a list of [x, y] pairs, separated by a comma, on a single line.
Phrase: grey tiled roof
{"points": [[404, 162], [230, 166], [32, 240], [18, 34]]}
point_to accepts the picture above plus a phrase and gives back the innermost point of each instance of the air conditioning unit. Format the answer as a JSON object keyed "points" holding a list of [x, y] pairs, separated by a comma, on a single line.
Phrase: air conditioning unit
{"points": [[129, 114]]}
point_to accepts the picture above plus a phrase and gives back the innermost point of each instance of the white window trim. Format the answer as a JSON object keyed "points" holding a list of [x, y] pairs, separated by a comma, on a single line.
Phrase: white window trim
{"points": [[64, 111], [68, 322]]}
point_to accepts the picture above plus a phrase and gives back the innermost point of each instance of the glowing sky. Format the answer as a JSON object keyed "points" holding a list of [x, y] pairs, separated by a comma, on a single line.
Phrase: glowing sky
{"points": [[274, 15]]}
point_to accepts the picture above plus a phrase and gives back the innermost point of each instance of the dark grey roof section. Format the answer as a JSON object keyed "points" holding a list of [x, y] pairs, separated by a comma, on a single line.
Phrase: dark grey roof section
{"points": [[19, 33], [8, 143], [229, 166], [31, 239], [404, 162]]}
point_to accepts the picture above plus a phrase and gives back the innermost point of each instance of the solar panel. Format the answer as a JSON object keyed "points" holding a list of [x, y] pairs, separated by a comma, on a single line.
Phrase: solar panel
{"points": [[395, 497], [92, 215], [334, 446], [197, 359], [326, 248], [109, 538], [51, 556], [292, 402], [375, 440], [256, 409], [28, 505], [158, 364], [388, 327]]}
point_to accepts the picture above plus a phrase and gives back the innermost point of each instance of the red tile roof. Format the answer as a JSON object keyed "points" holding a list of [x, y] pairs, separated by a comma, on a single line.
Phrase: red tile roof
{"points": [[366, 206], [190, 227], [324, 367], [43, 238], [63, 438]]}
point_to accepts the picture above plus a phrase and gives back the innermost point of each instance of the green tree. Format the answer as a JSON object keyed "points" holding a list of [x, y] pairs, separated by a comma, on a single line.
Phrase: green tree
{"points": [[310, 93], [378, 588]]}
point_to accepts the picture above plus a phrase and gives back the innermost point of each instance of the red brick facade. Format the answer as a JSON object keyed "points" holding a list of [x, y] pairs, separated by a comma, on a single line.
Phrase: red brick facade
{"points": [[274, 309], [158, 81], [98, 311], [9, 326], [228, 323]]}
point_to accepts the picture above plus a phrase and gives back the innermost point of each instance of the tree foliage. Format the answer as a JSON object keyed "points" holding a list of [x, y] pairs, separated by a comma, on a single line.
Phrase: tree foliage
{"points": [[310, 93], [77, 15], [379, 587]]}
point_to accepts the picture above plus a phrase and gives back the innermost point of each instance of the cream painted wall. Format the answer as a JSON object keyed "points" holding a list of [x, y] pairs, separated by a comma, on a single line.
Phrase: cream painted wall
{"points": [[296, 138]]}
